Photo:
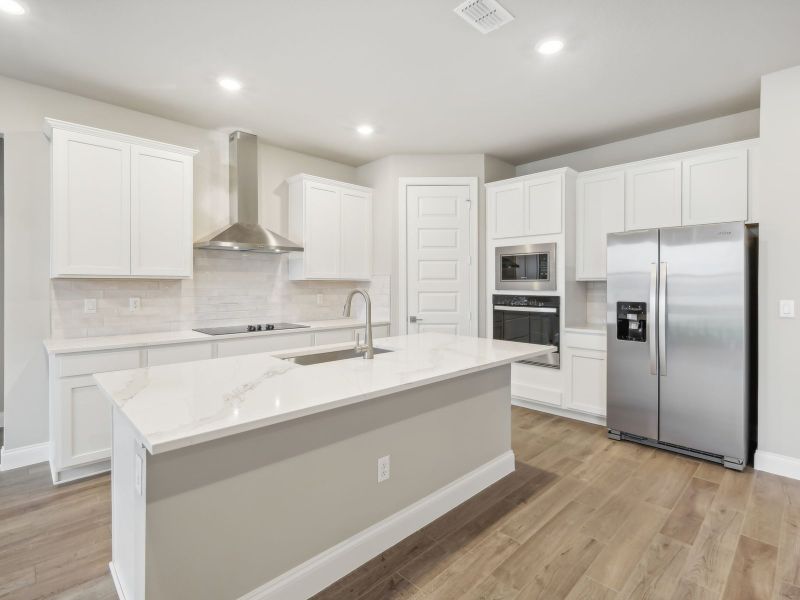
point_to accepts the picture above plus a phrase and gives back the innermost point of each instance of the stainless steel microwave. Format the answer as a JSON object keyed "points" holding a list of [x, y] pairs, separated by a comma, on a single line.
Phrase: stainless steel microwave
{"points": [[528, 267]]}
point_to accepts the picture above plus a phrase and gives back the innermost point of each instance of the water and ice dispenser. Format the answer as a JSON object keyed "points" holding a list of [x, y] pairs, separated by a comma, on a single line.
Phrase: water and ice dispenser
{"points": [[632, 321]]}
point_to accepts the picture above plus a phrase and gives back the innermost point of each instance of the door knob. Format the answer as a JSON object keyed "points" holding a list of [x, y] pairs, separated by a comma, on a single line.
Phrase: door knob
{"points": [[414, 319]]}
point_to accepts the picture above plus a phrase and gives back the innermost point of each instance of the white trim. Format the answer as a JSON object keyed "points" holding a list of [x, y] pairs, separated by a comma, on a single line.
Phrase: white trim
{"points": [[24, 456], [115, 579], [329, 566], [2, 418], [402, 271], [779, 464], [559, 412], [324, 180], [50, 124]]}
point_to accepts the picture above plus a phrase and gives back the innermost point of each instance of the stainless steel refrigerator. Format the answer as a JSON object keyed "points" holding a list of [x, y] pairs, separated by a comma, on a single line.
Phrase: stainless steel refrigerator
{"points": [[681, 339]]}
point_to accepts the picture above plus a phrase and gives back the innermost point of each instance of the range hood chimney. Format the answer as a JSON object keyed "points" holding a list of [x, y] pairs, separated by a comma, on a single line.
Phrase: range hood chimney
{"points": [[245, 234]]}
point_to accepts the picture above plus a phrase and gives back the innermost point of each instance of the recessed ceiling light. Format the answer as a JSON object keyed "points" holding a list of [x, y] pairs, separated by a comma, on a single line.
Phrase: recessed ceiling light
{"points": [[12, 7], [226, 83], [365, 129], [550, 47]]}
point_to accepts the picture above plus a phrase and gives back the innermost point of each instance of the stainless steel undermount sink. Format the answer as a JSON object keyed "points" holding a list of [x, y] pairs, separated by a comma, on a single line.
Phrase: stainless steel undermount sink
{"points": [[323, 357]]}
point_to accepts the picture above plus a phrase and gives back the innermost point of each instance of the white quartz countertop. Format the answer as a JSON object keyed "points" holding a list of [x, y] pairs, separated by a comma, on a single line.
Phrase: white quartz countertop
{"points": [[175, 406], [137, 340]]}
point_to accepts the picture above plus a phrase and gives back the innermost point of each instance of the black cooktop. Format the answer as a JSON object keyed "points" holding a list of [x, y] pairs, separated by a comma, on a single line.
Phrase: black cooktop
{"points": [[249, 328]]}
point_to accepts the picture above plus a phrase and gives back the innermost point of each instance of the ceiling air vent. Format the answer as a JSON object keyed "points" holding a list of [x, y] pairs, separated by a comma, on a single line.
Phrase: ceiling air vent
{"points": [[484, 15]]}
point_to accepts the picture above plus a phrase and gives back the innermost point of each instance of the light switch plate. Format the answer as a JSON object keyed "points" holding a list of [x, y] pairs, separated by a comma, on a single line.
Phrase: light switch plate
{"points": [[90, 305], [134, 304], [786, 310]]}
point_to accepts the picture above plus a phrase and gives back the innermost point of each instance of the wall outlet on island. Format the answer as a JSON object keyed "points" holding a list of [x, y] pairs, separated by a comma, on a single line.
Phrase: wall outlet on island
{"points": [[383, 468], [134, 304]]}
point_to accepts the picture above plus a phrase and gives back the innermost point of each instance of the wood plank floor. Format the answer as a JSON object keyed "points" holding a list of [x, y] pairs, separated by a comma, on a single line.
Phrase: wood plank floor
{"points": [[582, 518]]}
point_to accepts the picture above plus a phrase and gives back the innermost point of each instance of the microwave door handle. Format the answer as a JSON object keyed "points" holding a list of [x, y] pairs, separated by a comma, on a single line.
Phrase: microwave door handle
{"points": [[662, 320], [651, 317]]}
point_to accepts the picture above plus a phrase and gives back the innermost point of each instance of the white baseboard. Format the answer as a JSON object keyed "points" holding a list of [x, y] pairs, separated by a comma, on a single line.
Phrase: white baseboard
{"points": [[778, 464], [329, 566], [25, 456], [115, 579], [559, 412]]}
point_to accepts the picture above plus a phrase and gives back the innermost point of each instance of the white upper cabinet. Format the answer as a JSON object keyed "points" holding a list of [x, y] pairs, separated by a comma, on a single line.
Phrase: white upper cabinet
{"points": [[543, 205], [161, 213], [333, 222], [120, 206], [526, 206], [91, 199], [653, 195], [600, 210], [715, 187], [507, 203]]}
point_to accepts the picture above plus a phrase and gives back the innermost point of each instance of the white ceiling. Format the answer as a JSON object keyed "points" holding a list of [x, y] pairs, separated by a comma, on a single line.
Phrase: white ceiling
{"points": [[314, 69]]}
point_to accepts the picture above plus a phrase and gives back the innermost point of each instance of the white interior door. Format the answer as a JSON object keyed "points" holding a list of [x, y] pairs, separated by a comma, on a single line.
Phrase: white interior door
{"points": [[438, 260]]}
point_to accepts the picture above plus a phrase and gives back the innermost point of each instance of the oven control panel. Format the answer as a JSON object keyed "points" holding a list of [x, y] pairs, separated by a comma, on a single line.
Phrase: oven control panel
{"points": [[526, 301]]}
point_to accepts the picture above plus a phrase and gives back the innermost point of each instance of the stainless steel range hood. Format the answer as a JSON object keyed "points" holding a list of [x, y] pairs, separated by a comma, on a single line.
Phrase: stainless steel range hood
{"points": [[245, 234]]}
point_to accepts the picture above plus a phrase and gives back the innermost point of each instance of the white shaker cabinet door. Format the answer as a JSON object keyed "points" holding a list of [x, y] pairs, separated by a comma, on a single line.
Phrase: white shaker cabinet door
{"points": [[587, 381], [161, 213], [600, 211], [356, 235], [322, 231], [84, 419], [543, 206], [90, 206], [715, 187], [507, 204], [653, 195]]}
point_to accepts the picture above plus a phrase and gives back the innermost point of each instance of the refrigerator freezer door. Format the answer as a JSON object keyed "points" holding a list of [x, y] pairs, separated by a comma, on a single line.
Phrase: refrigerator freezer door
{"points": [[703, 388], [632, 379]]}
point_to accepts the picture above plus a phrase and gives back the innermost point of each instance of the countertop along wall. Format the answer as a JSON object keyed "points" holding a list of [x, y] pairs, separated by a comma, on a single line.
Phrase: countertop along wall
{"points": [[23, 108]]}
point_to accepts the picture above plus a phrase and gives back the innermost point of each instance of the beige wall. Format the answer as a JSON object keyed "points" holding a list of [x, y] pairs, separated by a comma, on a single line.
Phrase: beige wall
{"points": [[23, 108], [779, 277], [731, 128]]}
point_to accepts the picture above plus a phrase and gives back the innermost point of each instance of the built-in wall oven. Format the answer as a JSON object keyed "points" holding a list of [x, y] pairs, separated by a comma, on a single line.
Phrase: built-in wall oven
{"points": [[528, 267], [529, 319]]}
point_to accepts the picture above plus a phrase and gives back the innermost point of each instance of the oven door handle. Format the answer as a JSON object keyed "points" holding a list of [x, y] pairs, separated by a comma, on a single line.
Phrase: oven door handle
{"points": [[533, 309]]}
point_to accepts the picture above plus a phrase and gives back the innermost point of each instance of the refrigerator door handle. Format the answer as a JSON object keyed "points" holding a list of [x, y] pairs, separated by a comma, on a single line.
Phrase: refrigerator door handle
{"points": [[662, 320], [651, 318]]}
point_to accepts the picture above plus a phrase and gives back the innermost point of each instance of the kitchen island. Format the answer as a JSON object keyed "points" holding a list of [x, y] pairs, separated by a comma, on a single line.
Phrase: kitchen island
{"points": [[258, 477]]}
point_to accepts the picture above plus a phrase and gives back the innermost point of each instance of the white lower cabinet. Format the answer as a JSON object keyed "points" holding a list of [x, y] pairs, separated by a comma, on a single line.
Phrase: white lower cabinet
{"points": [[80, 415]]}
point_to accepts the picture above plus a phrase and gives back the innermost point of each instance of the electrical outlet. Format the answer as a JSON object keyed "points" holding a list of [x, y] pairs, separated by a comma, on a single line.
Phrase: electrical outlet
{"points": [[137, 482], [134, 304], [786, 310], [383, 468], [320, 299], [90, 306]]}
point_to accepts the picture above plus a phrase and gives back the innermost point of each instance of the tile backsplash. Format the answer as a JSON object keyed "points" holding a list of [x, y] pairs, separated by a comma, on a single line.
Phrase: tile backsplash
{"points": [[596, 302], [227, 288]]}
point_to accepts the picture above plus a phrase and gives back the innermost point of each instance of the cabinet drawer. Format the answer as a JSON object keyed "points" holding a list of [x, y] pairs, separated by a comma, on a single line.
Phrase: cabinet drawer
{"points": [[585, 341], [167, 355], [266, 343], [97, 362], [337, 336]]}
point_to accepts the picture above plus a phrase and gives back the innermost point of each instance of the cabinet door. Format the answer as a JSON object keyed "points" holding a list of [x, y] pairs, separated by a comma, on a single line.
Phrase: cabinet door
{"points": [[161, 213], [543, 206], [653, 196], [600, 210], [91, 206], [84, 422], [587, 380], [322, 214], [507, 204], [715, 188], [356, 235]]}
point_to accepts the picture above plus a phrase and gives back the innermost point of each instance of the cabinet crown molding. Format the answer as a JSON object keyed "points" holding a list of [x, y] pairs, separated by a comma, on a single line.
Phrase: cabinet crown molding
{"points": [[521, 178], [50, 124], [324, 180]]}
